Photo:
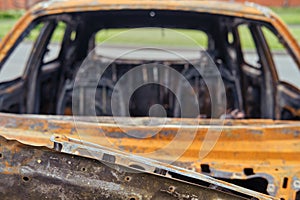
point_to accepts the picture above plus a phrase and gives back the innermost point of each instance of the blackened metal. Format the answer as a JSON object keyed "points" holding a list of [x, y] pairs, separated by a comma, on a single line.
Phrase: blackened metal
{"points": [[28, 172]]}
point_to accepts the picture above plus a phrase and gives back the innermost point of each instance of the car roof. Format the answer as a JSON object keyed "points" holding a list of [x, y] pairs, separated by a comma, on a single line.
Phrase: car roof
{"points": [[214, 7]]}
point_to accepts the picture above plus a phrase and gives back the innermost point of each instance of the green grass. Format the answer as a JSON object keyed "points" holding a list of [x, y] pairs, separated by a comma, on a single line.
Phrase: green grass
{"points": [[178, 37], [5, 26], [296, 33], [8, 19], [289, 15], [247, 41], [154, 36], [11, 14]]}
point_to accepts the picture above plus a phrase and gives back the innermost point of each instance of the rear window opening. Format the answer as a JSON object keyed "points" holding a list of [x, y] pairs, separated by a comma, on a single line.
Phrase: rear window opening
{"points": [[208, 71], [153, 36]]}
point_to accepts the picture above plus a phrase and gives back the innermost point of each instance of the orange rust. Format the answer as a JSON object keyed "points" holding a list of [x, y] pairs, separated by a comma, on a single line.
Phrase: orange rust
{"points": [[268, 147]]}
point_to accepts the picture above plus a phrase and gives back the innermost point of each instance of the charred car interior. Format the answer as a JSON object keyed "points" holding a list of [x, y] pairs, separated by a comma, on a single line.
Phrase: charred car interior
{"points": [[67, 70], [253, 88]]}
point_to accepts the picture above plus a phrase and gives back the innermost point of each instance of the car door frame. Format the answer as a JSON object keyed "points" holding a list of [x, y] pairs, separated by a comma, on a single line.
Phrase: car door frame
{"points": [[285, 93], [13, 92]]}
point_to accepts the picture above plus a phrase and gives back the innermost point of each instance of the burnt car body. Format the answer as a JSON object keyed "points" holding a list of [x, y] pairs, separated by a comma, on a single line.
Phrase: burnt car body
{"points": [[258, 152]]}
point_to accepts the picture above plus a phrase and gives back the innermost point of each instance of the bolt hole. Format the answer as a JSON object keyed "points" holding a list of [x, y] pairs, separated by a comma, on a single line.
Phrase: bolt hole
{"points": [[205, 168], [25, 179], [172, 188], [285, 182], [127, 178], [248, 171], [58, 146], [133, 198]]}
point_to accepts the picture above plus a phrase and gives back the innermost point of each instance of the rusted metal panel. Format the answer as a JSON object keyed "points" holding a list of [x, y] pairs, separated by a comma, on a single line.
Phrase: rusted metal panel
{"points": [[269, 148], [245, 149], [39, 173]]}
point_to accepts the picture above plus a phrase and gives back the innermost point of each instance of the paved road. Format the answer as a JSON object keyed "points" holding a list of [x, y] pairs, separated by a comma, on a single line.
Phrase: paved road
{"points": [[286, 68]]}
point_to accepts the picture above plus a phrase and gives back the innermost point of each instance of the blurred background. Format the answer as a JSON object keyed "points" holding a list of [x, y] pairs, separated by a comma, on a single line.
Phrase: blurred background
{"points": [[288, 10]]}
